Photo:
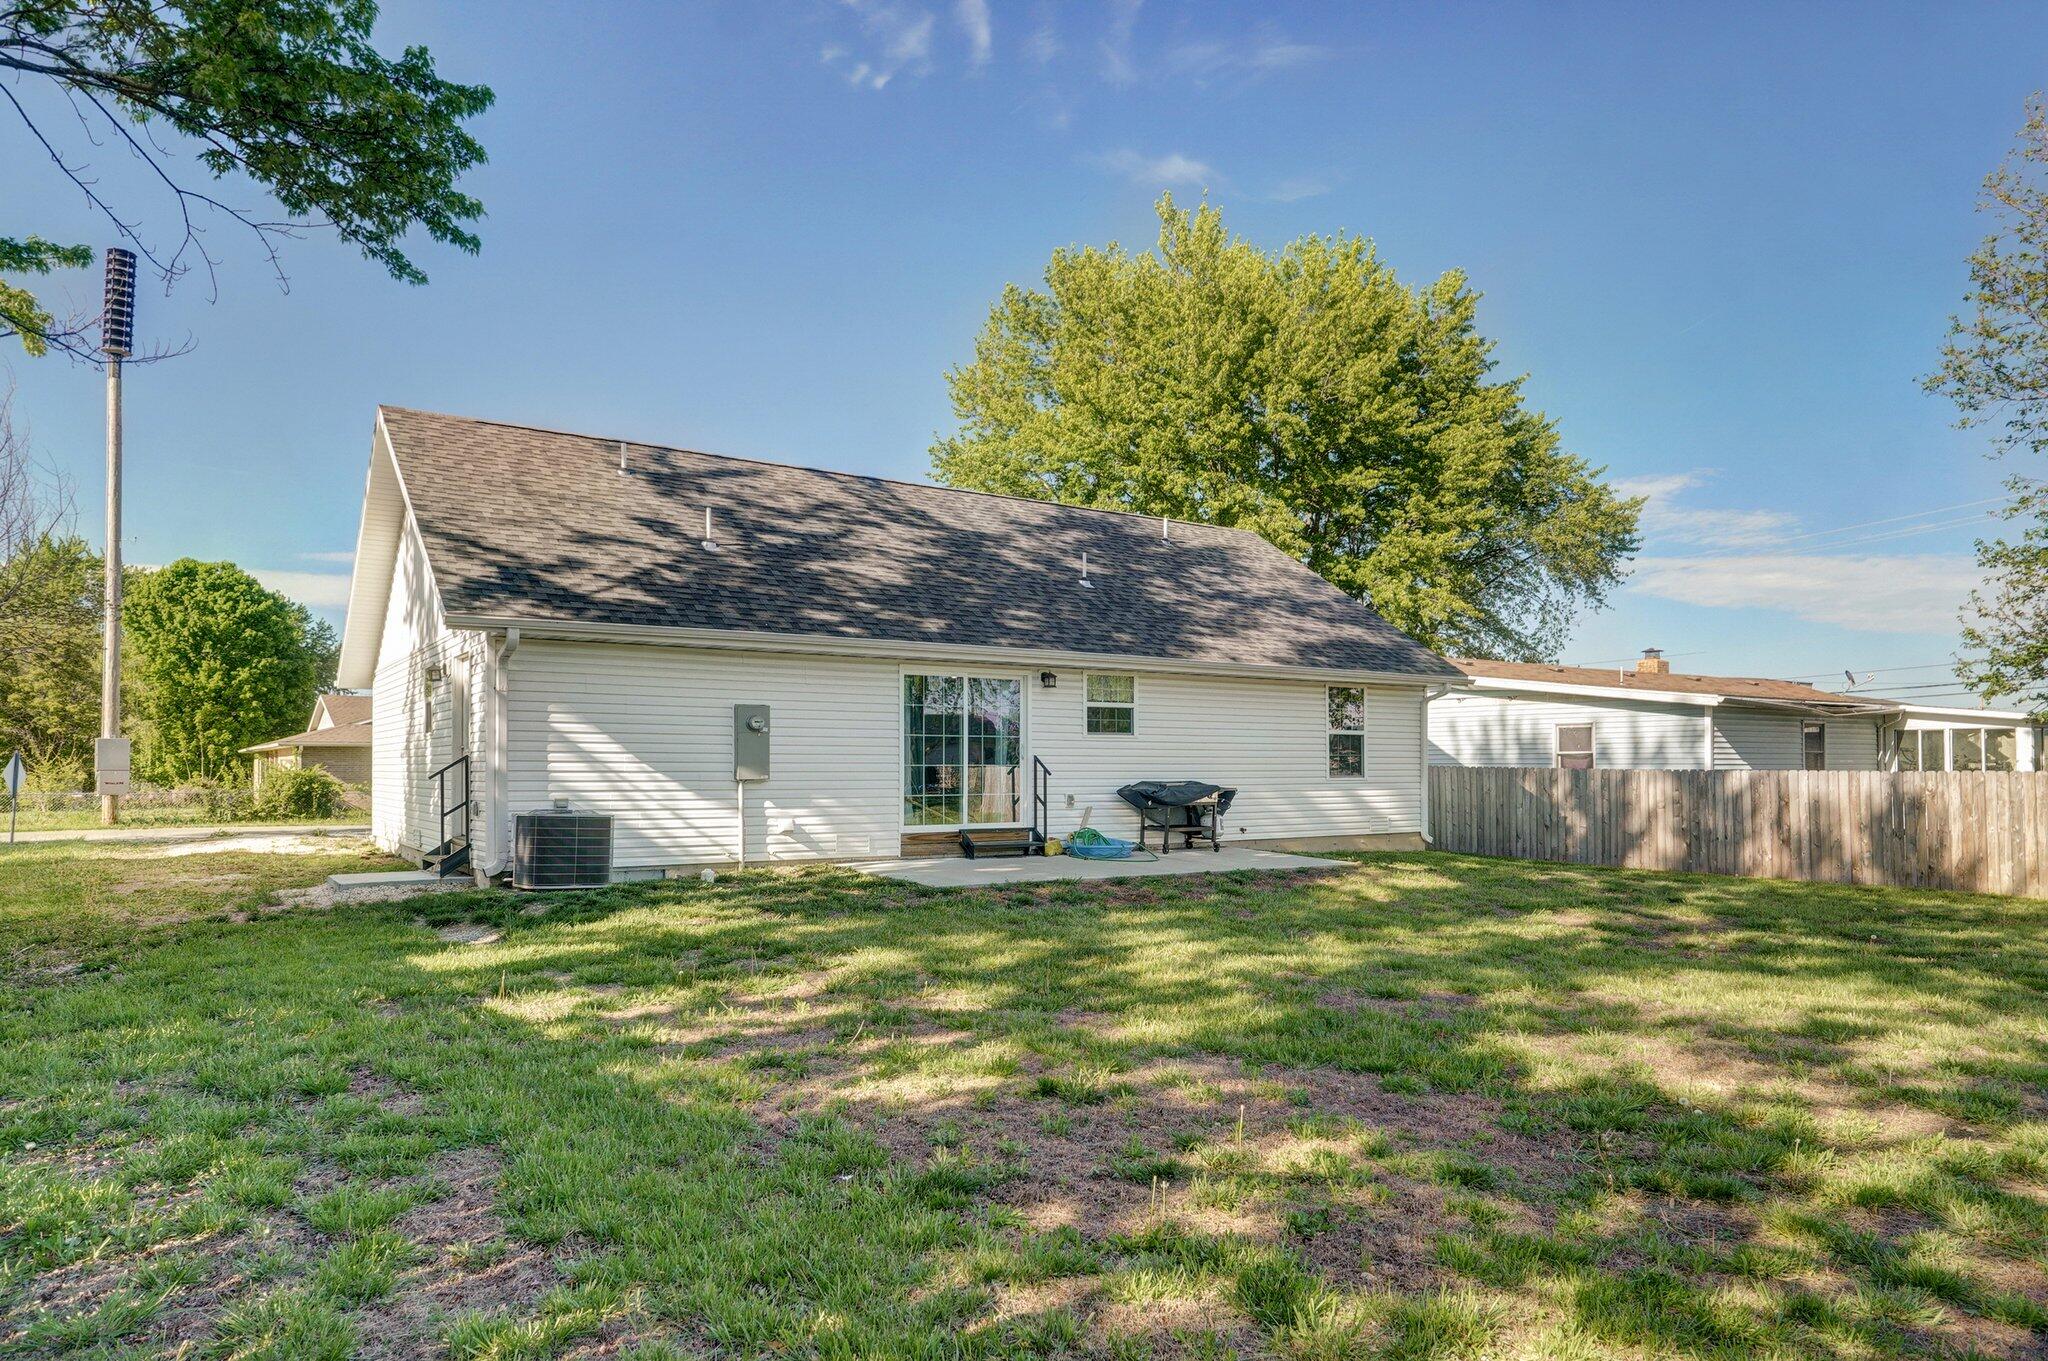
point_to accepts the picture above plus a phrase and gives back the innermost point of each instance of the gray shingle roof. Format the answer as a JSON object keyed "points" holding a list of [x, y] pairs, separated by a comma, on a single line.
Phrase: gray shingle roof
{"points": [[539, 526]]}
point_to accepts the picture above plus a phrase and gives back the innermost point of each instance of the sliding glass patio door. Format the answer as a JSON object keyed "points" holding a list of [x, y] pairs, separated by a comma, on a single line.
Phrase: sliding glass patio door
{"points": [[963, 750]]}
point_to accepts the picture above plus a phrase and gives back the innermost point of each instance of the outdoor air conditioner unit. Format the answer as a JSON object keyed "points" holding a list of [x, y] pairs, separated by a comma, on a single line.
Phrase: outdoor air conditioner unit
{"points": [[561, 848]]}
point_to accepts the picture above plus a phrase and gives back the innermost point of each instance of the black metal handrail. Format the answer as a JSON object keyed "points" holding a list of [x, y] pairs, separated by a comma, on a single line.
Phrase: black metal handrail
{"points": [[440, 779], [1041, 791]]}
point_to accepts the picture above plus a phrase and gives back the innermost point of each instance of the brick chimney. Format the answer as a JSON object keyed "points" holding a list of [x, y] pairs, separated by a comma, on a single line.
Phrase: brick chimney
{"points": [[1652, 663]]}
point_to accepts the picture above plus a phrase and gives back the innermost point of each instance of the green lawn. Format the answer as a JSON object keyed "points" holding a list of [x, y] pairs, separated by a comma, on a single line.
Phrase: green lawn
{"points": [[1431, 1107]]}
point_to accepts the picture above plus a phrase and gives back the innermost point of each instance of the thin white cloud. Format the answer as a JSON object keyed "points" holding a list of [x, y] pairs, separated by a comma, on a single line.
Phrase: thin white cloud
{"points": [[1665, 520], [321, 590], [1300, 187], [973, 18], [1118, 67], [903, 38], [1151, 172], [338, 555], [1880, 593], [1211, 59], [1044, 43]]}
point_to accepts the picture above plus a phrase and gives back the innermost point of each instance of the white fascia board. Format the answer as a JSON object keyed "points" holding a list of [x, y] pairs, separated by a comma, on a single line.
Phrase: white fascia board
{"points": [[1846, 708], [360, 644], [1484, 684], [1999, 716], [736, 640], [369, 584]]}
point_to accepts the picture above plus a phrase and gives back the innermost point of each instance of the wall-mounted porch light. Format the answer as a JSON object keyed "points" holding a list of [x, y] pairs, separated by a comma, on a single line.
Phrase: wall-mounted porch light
{"points": [[1048, 679]]}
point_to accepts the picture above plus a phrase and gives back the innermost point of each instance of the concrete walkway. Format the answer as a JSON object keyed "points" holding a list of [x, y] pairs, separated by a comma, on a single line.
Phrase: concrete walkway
{"points": [[188, 833], [950, 872]]}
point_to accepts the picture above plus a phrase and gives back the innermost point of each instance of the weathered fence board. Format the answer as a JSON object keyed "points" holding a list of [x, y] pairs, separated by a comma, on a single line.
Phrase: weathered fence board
{"points": [[1977, 831]]}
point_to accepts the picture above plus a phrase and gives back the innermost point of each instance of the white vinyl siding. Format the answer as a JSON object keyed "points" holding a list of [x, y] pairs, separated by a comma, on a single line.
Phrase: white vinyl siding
{"points": [[1499, 730], [1269, 740], [1752, 739], [404, 813], [645, 734]]}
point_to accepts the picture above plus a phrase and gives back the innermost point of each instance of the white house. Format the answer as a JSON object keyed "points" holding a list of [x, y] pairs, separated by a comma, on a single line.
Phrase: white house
{"points": [[1647, 717], [564, 617]]}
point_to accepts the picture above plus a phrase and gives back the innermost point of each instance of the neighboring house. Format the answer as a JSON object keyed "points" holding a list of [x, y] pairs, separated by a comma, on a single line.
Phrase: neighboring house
{"points": [[574, 618], [1647, 717], [338, 739], [1935, 738]]}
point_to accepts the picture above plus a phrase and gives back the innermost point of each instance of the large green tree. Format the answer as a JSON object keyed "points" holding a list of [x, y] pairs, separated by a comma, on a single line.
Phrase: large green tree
{"points": [[1309, 395], [288, 94], [220, 662], [1995, 368], [50, 655]]}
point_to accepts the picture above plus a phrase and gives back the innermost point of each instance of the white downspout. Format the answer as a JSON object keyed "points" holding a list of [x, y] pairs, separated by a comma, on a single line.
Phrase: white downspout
{"points": [[497, 857], [1429, 692]]}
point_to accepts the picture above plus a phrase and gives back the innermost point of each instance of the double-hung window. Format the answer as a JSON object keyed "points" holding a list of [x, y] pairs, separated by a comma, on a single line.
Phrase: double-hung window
{"points": [[1112, 704], [1575, 746], [1813, 741], [1347, 731]]}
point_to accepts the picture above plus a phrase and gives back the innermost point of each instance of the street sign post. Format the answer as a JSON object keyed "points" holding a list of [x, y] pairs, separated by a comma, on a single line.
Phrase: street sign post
{"points": [[15, 770]]}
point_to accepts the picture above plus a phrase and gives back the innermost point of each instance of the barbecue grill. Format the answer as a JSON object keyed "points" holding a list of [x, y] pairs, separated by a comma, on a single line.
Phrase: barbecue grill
{"points": [[1189, 809]]}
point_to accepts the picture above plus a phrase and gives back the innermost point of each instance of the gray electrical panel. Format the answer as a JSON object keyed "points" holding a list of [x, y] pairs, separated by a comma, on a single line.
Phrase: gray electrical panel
{"points": [[750, 741]]}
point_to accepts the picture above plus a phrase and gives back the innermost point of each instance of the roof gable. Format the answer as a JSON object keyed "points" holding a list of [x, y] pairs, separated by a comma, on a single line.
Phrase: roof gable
{"points": [[537, 526]]}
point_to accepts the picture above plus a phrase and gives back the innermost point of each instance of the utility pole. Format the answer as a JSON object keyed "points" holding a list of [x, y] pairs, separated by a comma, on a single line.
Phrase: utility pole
{"points": [[117, 338]]}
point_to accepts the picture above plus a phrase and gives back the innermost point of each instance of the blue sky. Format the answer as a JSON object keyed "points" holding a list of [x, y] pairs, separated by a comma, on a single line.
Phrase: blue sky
{"points": [[1722, 242]]}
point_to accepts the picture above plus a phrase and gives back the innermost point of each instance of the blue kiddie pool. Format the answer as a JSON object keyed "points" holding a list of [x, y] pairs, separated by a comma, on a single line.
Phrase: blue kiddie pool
{"points": [[1090, 844]]}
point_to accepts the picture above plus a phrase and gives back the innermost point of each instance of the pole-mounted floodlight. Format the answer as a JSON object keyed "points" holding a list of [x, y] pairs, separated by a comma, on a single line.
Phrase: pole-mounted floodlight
{"points": [[117, 324], [117, 341]]}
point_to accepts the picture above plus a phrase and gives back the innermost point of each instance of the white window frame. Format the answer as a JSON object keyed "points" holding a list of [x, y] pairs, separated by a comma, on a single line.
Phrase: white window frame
{"points": [[1557, 745], [1024, 753], [1364, 704], [1089, 704]]}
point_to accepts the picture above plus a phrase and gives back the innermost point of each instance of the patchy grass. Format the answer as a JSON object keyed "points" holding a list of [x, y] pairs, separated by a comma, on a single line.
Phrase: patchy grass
{"points": [[1430, 1107]]}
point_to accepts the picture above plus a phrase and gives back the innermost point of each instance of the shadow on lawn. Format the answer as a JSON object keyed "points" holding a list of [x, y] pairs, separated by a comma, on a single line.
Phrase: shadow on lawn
{"points": [[1394, 1108], [1660, 1218]]}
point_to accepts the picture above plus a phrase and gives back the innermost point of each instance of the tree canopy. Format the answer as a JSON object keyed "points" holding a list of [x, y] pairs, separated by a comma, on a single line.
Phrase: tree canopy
{"points": [[1995, 368], [220, 662], [290, 94], [1308, 395], [50, 655]]}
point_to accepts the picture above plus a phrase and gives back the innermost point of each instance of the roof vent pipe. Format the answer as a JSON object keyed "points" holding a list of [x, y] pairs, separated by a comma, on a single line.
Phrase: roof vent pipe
{"points": [[1086, 584], [1165, 534], [622, 458], [710, 544]]}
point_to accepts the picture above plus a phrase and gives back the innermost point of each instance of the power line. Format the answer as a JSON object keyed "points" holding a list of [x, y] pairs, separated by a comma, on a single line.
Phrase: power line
{"points": [[1892, 520], [1887, 536]]}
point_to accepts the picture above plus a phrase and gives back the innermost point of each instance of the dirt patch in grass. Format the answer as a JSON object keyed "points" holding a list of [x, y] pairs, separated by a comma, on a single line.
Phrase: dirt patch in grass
{"points": [[464, 1262], [1326, 1162]]}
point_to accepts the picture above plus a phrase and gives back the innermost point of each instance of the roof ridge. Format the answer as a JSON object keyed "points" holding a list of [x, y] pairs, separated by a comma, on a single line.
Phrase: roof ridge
{"points": [[827, 472]]}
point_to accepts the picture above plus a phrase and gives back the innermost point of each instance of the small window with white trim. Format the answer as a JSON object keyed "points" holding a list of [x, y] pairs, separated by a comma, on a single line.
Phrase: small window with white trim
{"points": [[1813, 739], [1347, 731], [1575, 746], [1113, 704]]}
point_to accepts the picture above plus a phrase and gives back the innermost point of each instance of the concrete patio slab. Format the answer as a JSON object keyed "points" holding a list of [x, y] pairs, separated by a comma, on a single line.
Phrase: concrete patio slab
{"points": [[386, 879], [948, 872]]}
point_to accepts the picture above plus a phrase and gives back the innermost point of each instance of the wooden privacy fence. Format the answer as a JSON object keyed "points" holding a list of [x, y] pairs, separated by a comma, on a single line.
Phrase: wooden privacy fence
{"points": [[1978, 831]]}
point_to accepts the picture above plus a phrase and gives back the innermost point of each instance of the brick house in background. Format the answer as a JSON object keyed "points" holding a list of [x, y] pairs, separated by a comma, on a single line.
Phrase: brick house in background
{"points": [[337, 740]]}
